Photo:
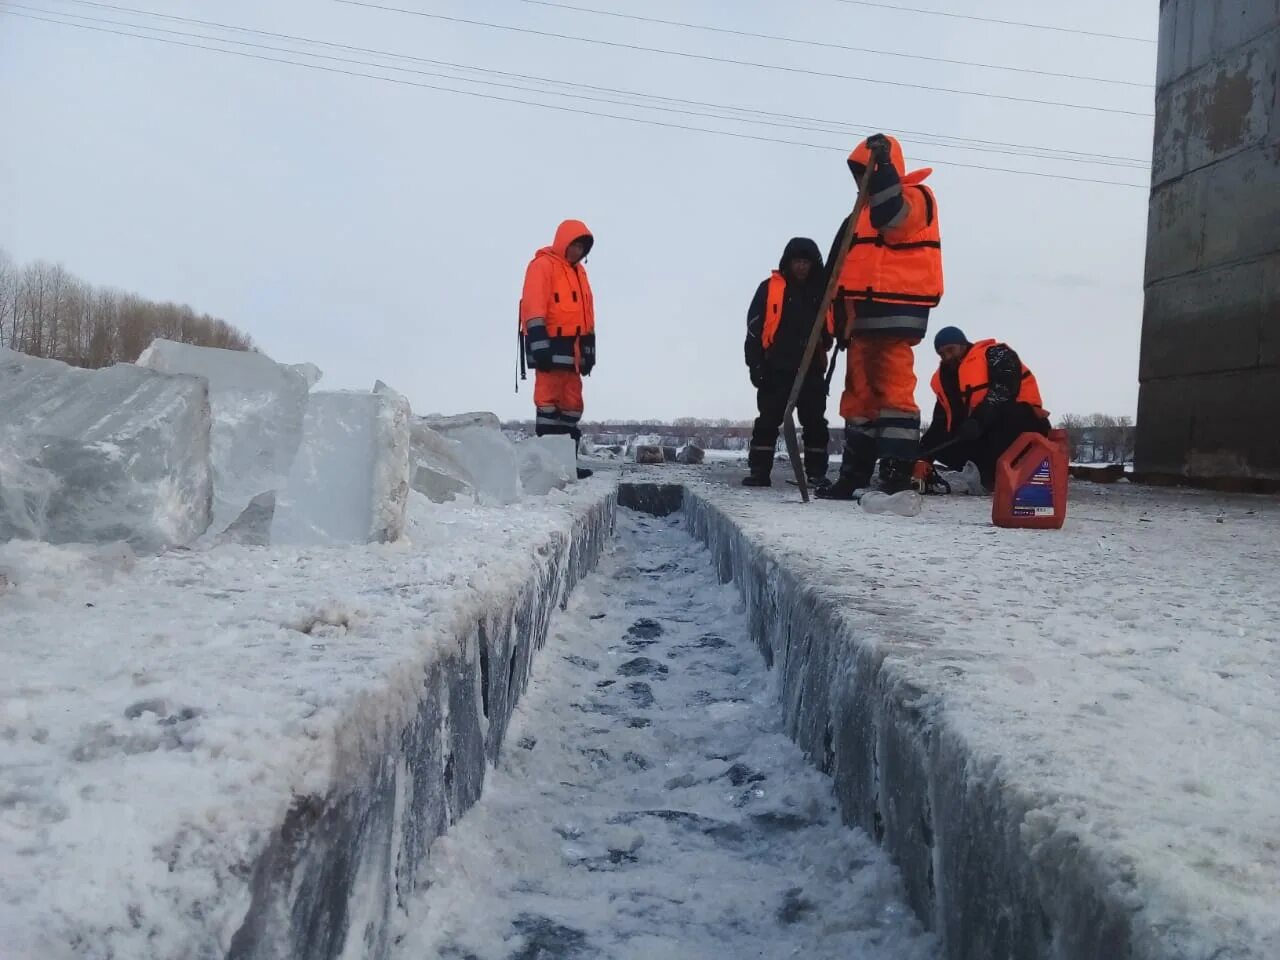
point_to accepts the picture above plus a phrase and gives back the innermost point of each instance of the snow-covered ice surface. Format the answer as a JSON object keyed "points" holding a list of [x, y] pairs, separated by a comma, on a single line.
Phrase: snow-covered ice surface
{"points": [[648, 804], [1113, 689], [159, 716]]}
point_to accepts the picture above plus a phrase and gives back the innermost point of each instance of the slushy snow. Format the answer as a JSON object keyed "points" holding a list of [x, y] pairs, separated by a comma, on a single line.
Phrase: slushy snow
{"points": [[648, 804]]}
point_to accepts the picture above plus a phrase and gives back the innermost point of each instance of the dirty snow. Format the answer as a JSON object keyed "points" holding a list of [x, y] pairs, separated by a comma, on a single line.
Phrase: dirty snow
{"points": [[648, 804], [1123, 674], [157, 714]]}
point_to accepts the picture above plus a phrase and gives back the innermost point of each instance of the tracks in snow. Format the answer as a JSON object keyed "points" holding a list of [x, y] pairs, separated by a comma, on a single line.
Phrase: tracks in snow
{"points": [[648, 804]]}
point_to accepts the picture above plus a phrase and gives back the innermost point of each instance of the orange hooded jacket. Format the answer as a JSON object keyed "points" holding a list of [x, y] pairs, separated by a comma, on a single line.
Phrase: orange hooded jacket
{"points": [[557, 310]]}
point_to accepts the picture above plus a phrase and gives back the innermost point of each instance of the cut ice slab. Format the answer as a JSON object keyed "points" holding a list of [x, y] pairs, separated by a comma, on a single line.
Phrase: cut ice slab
{"points": [[489, 458], [546, 464], [690, 453], [460, 421], [350, 480], [258, 409], [436, 463], [94, 456]]}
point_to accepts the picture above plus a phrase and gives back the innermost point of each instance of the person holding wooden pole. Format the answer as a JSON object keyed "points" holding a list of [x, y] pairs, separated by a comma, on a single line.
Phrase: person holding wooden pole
{"points": [[886, 286]]}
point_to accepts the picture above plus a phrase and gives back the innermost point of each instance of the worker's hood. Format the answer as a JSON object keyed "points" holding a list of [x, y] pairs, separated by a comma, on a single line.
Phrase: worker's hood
{"points": [[568, 232], [861, 156], [801, 248]]}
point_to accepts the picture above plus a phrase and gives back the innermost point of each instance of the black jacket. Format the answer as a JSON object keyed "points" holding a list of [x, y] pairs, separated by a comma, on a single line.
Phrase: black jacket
{"points": [[799, 308], [1004, 376]]}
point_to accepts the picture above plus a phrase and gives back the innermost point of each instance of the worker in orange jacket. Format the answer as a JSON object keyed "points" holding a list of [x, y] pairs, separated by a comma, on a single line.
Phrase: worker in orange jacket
{"points": [[987, 399], [558, 324], [888, 284]]}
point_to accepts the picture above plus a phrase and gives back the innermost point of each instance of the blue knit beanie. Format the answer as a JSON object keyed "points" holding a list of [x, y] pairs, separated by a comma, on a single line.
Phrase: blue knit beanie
{"points": [[949, 336]]}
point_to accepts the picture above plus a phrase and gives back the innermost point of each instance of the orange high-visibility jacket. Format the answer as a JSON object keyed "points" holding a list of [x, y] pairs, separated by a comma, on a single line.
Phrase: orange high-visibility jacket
{"points": [[773, 310], [557, 309], [904, 269], [972, 376]]}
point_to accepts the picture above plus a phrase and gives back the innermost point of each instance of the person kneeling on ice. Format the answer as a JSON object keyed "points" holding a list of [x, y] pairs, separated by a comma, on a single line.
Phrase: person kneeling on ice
{"points": [[987, 398], [558, 323], [779, 322], [888, 283]]}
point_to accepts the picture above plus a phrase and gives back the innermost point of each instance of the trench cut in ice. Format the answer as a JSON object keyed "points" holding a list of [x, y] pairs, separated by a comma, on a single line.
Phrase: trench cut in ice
{"points": [[93, 456]]}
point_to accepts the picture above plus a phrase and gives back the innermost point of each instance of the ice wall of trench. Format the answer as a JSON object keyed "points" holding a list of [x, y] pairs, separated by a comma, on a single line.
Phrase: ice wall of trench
{"points": [[339, 866], [904, 777]]}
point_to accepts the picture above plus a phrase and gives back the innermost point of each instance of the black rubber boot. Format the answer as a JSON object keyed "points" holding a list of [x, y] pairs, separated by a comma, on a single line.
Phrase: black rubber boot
{"points": [[856, 465], [895, 476], [844, 488], [760, 463]]}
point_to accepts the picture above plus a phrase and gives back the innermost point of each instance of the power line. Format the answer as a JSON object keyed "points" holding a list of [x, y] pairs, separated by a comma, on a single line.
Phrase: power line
{"points": [[1007, 23], [832, 46], [743, 63], [546, 106], [775, 120]]}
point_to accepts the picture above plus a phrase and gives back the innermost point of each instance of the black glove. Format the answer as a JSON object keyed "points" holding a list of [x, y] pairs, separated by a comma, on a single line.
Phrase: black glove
{"points": [[878, 144], [539, 357], [758, 378], [971, 430]]}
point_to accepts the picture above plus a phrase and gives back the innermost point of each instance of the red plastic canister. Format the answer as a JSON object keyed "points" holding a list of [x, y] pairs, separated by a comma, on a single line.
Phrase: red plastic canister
{"points": [[1031, 483]]}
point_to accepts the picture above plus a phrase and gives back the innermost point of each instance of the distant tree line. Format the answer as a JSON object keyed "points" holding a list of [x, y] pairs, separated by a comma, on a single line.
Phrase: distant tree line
{"points": [[47, 312], [1098, 437]]}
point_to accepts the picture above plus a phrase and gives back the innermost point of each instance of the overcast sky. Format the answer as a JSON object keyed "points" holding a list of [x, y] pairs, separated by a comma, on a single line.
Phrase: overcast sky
{"points": [[382, 230]]}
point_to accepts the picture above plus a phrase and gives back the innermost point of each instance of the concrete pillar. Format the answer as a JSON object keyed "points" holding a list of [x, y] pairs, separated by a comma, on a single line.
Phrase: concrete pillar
{"points": [[1210, 367]]}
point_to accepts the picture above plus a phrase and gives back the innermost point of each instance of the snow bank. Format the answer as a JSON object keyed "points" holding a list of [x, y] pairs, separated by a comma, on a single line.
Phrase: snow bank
{"points": [[1066, 739], [258, 410], [246, 752], [349, 482], [98, 455]]}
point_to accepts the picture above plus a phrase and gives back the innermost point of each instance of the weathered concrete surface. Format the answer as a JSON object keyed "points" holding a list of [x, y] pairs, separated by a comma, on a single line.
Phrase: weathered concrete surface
{"points": [[1211, 325]]}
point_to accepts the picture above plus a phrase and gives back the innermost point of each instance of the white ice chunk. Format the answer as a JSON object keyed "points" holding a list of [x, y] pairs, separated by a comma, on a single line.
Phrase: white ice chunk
{"points": [[258, 409], [546, 464], [490, 460], [308, 371], [460, 421], [904, 503], [350, 480], [437, 465], [102, 455]]}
